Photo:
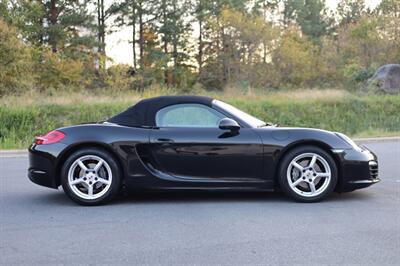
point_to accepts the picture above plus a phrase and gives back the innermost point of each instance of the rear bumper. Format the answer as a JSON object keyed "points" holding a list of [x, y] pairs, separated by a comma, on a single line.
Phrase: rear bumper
{"points": [[42, 164], [359, 170], [41, 178]]}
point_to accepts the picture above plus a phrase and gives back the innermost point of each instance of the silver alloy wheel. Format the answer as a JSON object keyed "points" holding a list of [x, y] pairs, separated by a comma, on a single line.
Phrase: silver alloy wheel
{"points": [[89, 177], [308, 174]]}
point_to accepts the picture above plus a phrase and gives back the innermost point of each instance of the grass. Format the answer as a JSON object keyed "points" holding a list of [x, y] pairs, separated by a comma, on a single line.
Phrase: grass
{"points": [[22, 117]]}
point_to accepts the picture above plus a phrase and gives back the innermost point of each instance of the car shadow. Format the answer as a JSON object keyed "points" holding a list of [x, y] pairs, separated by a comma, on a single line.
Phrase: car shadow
{"points": [[161, 197], [199, 196], [185, 197], [51, 198]]}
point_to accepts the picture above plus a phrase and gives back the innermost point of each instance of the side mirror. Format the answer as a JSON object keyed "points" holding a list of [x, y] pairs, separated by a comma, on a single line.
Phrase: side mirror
{"points": [[228, 124]]}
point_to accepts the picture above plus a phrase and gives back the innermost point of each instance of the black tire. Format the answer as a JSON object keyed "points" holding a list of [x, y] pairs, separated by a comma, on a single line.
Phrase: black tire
{"points": [[114, 187], [283, 173]]}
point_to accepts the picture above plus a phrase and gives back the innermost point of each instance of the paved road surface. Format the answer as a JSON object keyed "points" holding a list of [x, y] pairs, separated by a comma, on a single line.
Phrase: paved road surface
{"points": [[42, 226]]}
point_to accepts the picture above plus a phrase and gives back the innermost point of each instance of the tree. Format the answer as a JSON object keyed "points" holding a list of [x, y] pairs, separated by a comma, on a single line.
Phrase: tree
{"points": [[388, 13], [350, 11], [200, 14], [126, 14], [27, 17], [264, 8], [15, 62], [140, 15], [238, 58], [61, 24], [178, 29], [295, 58], [101, 33], [312, 16], [362, 48]]}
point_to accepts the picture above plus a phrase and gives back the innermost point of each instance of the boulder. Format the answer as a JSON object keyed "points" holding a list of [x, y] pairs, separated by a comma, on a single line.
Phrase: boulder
{"points": [[387, 79]]}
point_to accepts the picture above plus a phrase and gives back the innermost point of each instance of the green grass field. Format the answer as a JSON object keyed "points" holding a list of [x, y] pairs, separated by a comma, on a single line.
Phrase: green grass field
{"points": [[22, 117]]}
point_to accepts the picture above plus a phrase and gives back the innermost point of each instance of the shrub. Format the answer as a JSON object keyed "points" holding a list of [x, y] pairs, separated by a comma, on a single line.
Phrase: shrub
{"points": [[15, 62]]}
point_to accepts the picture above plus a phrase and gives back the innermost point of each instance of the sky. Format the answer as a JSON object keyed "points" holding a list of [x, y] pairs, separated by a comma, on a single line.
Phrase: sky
{"points": [[120, 50]]}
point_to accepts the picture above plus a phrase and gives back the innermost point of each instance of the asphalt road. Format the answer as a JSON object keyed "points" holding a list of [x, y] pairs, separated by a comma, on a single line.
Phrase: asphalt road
{"points": [[41, 226]]}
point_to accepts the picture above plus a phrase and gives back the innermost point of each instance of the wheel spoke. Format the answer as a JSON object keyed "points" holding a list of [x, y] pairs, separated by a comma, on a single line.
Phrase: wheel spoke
{"points": [[82, 165], [103, 181], [90, 190], [98, 165], [313, 160], [312, 187], [76, 181], [323, 175], [298, 166], [295, 183]]}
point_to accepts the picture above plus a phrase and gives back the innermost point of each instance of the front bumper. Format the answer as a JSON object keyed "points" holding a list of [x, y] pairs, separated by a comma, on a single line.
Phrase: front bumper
{"points": [[42, 164], [359, 169]]}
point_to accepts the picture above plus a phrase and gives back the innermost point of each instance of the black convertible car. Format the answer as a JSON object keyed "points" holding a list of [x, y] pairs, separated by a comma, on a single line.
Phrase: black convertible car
{"points": [[192, 142]]}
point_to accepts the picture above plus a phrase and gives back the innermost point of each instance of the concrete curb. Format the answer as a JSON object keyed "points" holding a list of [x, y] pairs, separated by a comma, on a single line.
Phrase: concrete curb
{"points": [[24, 153], [372, 140], [13, 153]]}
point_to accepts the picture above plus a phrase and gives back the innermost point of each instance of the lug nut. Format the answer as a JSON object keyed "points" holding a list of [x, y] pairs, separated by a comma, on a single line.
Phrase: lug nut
{"points": [[310, 180], [90, 182], [315, 174], [84, 178]]}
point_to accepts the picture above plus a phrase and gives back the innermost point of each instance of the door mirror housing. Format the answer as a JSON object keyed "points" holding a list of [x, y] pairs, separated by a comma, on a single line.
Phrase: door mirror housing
{"points": [[228, 124]]}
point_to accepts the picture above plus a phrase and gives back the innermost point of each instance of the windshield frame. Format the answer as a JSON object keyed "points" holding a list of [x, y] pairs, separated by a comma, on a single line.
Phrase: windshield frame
{"points": [[244, 119]]}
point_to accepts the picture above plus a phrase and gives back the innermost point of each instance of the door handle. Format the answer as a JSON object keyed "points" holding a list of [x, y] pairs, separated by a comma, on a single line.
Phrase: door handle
{"points": [[165, 140]]}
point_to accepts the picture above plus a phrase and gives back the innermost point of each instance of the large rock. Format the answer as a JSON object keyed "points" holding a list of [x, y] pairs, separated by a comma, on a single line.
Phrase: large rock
{"points": [[387, 78]]}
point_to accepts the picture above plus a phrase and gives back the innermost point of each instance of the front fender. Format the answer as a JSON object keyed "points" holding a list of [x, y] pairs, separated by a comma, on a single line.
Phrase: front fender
{"points": [[277, 141]]}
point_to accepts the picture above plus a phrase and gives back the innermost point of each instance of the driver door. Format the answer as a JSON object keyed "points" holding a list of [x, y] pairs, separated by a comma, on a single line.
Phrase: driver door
{"points": [[188, 144]]}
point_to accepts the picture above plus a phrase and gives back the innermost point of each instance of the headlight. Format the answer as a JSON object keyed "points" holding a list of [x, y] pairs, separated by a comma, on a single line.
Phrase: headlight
{"points": [[349, 141]]}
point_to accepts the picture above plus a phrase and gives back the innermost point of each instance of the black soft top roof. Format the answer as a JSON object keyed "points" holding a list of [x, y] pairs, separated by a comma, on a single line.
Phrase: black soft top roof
{"points": [[144, 112]]}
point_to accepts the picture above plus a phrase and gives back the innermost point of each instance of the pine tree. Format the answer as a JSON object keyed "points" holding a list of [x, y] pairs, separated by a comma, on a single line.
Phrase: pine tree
{"points": [[312, 16]]}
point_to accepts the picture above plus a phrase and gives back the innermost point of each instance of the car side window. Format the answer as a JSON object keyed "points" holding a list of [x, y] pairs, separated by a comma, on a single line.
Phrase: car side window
{"points": [[188, 115]]}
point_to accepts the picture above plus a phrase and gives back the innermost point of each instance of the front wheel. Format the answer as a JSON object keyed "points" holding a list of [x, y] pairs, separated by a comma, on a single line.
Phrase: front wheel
{"points": [[91, 176], [308, 174]]}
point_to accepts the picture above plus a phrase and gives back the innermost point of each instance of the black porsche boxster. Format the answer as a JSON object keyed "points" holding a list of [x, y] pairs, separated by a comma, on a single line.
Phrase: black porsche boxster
{"points": [[193, 142]]}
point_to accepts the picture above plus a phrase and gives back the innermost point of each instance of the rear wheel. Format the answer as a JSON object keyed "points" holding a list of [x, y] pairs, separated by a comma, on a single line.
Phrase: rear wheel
{"points": [[91, 176], [308, 174]]}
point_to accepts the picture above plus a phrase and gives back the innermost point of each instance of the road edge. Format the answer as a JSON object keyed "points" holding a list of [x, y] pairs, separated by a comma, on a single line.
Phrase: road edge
{"points": [[381, 139], [13, 153]]}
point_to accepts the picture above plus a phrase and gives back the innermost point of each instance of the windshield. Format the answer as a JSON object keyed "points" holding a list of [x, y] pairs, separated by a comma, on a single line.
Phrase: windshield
{"points": [[249, 119]]}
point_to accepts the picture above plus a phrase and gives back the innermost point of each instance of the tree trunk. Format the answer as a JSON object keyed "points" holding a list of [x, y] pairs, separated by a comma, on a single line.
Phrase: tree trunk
{"points": [[103, 30], [164, 10], [53, 22], [175, 45], [264, 42], [40, 37], [141, 44], [200, 55], [134, 41], [101, 33], [225, 55], [200, 51]]}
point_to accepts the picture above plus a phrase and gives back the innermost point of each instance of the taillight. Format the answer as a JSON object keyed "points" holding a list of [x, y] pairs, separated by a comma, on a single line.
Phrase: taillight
{"points": [[50, 137]]}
